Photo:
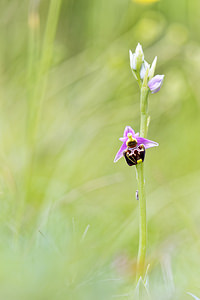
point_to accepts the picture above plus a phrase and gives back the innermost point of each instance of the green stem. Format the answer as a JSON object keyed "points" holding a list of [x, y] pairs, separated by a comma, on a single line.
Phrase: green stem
{"points": [[144, 111], [142, 223], [141, 187]]}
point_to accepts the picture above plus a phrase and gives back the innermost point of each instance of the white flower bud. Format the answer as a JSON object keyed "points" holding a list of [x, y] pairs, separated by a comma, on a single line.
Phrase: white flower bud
{"points": [[139, 57], [152, 69], [136, 58], [139, 51], [143, 69], [132, 60]]}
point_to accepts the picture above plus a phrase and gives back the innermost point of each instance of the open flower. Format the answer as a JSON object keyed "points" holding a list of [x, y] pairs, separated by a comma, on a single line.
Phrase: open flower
{"points": [[132, 142], [155, 83]]}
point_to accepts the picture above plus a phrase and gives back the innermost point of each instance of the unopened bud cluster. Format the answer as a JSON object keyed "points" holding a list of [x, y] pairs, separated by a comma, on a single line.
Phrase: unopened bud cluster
{"points": [[144, 72]]}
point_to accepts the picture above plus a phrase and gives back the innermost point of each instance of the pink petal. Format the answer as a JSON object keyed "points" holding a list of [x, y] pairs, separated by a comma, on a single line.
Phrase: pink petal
{"points": [[127, 130], [147, 143], [155, 83], [120, 152], [124, 139]]}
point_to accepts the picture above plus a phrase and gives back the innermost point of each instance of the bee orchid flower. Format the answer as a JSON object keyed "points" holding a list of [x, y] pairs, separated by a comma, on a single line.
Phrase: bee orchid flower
{"points": [[133, 147]]}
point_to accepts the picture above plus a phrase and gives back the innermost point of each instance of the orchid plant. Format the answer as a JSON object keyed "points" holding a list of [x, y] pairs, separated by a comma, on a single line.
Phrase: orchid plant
{"points": [[135, 144]]}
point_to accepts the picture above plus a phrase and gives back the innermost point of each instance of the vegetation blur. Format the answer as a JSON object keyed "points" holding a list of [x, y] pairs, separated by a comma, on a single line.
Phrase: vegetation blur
{"points": [[68, 214]]}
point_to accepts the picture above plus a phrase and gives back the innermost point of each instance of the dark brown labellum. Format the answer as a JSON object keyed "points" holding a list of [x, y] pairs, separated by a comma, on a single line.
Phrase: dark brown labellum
{"points": [[134, 155]]}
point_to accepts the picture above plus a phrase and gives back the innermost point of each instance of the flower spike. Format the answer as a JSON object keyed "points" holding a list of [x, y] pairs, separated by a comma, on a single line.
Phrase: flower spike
{"points": [[143, 72]]}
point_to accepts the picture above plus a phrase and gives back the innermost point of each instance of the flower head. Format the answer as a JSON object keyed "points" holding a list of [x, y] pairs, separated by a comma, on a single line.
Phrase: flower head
{"points": [[133, 147], [155, 83]]}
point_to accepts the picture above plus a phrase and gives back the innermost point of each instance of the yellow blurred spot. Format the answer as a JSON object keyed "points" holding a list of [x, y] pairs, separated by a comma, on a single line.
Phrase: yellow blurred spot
{"points": [[33, 20], [146, 1]]}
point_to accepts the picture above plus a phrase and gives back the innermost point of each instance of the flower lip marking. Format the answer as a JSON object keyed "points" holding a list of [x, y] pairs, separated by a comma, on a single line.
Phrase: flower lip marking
{"points": [[135, 155]]}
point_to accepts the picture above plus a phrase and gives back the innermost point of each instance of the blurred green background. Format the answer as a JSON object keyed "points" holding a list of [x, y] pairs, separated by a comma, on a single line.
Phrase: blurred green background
{"points": [[68, 214]]}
